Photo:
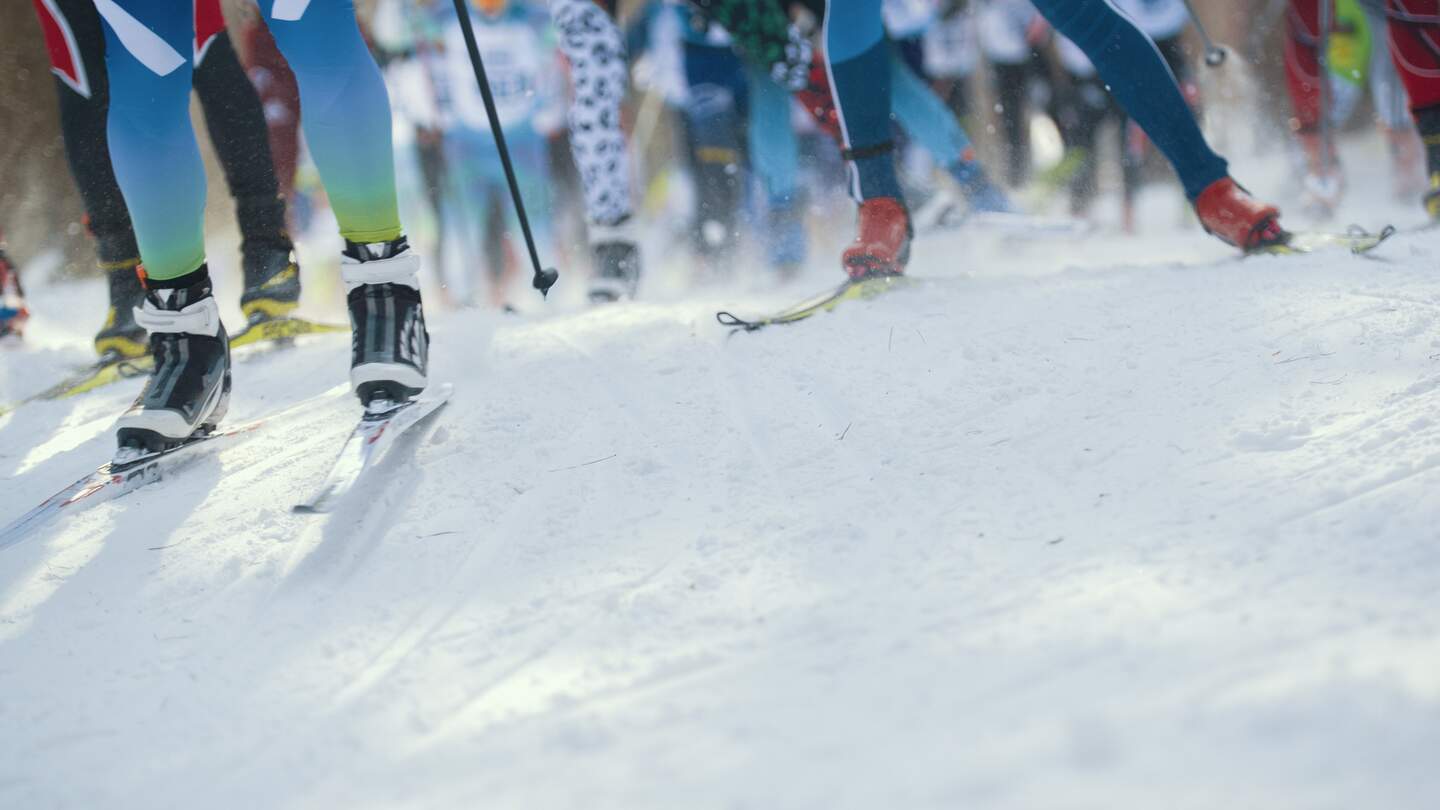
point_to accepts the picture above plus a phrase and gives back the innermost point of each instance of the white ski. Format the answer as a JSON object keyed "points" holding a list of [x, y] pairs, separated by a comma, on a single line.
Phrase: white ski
{"points": [[369, 441], [116, 478], [126, 473]]}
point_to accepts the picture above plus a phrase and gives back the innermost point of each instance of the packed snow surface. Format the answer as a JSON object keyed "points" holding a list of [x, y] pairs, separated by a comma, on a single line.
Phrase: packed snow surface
{"points": [[1098, 524]]}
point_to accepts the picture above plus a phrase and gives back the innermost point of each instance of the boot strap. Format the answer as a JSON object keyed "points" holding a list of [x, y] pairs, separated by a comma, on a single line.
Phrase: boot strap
{"points": [[403, 268], [200, 318]]}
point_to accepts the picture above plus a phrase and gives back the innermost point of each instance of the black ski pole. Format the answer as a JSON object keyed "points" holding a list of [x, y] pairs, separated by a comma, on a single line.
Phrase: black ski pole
{"points": [[1214, 54], [544, 278]]}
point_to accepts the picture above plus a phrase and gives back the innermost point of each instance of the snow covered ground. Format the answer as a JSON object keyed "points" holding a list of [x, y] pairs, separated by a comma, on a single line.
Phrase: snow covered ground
{"points": [[1115, 523]]}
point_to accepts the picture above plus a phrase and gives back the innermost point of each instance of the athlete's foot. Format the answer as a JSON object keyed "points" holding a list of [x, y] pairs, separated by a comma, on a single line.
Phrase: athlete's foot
{"points": [[1229, 212], [189, 387], [389, 347], [882, 240], [121, 337], [617, 263], [272, 284]]}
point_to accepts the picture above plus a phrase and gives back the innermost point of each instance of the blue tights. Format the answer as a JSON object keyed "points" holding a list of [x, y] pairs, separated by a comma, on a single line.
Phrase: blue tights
{"points": [[1129, 64]]}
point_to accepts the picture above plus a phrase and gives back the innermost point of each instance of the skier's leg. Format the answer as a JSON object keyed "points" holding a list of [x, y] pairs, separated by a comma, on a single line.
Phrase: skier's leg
{"points": [[148, 51], [236, 123], [1135, 73], [1086, 107], [857, 58], [1302, 62], [76, 42], [1009, 88], [345, 112], [712, 111], [1303, 80], [346, 118], [775, 157], [280, 99], [1409, 175], [595, 49], [921, 113], [1415, 45]]}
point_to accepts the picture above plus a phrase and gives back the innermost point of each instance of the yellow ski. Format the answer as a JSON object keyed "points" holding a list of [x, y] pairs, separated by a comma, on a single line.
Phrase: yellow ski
{"points": [[1356, 240], [854, 289]]}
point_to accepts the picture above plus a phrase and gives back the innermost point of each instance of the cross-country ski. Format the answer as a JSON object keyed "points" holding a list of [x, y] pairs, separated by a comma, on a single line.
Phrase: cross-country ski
{"points": [[379, 428]]}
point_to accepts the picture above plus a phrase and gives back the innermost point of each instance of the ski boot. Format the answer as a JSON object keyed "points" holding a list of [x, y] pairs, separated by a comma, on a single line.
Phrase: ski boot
{"points": [[121, 338], [389, 344], [617, 262], [1228, 212], [13, 312], [882, 244], [188, 390], [272, 284]]}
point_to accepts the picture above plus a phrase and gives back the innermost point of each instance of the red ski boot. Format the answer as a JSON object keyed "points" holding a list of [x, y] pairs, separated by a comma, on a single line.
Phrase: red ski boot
{"points": [[1228, 211], [882, 246]]}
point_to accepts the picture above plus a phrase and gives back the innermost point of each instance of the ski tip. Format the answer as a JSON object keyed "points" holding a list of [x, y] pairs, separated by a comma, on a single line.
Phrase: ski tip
{"points": [[730, 320]]}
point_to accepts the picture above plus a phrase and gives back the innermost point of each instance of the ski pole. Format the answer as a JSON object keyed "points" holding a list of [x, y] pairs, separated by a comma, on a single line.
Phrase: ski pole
{"points": [[1214, 54], [544, 278]]}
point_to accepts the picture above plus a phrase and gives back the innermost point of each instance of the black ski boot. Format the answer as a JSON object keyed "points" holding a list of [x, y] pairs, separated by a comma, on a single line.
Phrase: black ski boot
{"points": [[389, 344], [617, 263], [121, 338], [272, 284], [189, 388]]}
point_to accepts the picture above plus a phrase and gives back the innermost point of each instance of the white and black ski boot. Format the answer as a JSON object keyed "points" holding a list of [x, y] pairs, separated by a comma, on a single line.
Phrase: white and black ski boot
{"points": [[189, 387], [617, 262], [389, 344]]}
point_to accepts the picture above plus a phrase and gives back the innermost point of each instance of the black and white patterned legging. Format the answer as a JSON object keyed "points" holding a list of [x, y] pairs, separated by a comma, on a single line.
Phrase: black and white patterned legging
{"points": [[592, 43]]}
